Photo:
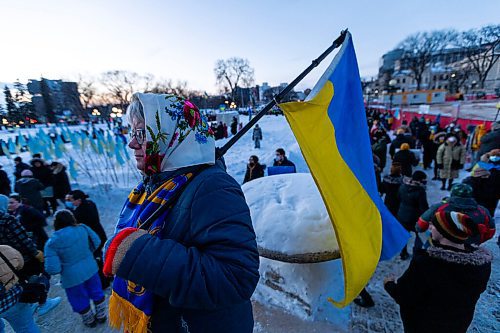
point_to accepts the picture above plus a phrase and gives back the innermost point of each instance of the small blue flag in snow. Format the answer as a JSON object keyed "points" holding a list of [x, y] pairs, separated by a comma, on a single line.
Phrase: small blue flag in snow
{"points": [[72, 169], [5, 149], [12, 146]]}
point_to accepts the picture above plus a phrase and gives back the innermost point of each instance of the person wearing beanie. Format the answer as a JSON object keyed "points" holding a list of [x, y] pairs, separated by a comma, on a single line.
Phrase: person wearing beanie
{"points": [[20, 166], [29, 189], [450, 159], [406, 158], [254, 169], [413, 202], [440, 289]]}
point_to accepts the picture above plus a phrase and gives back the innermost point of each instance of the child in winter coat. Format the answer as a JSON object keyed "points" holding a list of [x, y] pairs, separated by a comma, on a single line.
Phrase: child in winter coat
{"points": [[69, 252], [440, 289]]}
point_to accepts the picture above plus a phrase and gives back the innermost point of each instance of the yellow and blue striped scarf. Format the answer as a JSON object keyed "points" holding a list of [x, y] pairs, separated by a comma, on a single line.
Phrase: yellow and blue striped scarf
{"points": [[130, 305]]}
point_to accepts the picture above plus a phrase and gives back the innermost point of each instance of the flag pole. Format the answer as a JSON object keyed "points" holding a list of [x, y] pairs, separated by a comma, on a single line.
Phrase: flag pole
{"points": [[336, 43]]}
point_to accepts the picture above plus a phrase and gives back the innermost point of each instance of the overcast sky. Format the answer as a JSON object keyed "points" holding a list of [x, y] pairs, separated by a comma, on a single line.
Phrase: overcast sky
{"points": [[181, 40]]}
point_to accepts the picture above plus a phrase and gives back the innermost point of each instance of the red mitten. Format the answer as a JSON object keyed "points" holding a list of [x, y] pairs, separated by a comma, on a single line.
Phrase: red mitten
{"points": [[118, 247]]}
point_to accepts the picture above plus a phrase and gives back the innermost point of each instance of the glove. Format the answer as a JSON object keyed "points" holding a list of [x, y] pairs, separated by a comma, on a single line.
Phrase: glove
{"points": [[39, 257], [439, 166], [117, 248]]}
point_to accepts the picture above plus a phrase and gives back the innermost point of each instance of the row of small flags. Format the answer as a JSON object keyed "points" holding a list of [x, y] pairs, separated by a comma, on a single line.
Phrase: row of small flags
{"points": [[107, 145]]}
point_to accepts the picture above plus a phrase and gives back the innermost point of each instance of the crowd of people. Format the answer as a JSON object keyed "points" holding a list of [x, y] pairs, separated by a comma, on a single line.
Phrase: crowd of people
{"points": [[189, 274], [29, 256], [449, 268]]}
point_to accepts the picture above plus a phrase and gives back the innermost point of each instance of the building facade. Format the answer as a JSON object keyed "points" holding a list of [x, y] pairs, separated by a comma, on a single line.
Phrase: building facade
{"points": [[55, 99]]}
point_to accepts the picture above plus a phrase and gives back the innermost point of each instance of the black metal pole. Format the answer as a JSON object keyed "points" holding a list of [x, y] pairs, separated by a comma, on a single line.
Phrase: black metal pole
{"points": [[336, 43]]}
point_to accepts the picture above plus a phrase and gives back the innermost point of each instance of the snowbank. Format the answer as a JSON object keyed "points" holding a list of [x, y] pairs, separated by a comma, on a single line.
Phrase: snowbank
{"points": [[289, 218], [289, 215]]}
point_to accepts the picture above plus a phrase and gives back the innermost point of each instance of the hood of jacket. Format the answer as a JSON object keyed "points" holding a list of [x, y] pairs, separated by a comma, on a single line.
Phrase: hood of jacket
{"points": [[462, 203], [480, 256], [65, 237], [393, 179]]}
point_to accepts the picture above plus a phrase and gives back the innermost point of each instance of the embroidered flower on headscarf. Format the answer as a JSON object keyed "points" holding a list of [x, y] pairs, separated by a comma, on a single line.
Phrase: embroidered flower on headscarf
{"points": [[191, 114], [153, 159], [189, 118]]}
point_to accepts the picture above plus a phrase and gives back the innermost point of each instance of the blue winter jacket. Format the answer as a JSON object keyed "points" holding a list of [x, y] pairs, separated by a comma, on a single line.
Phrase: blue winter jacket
{"points": [[206, 268], [69, 253]]}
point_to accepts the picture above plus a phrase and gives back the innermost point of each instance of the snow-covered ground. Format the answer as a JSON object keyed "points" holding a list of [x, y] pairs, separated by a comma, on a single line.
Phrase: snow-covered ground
{"points": [[384, 317]]}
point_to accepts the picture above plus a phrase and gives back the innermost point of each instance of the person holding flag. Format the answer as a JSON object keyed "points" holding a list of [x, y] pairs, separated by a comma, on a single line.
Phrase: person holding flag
{"points": [[184, 253]]}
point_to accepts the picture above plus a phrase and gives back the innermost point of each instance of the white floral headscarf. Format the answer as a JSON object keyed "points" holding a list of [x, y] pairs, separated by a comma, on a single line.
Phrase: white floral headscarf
{"points": [[177, 133]]}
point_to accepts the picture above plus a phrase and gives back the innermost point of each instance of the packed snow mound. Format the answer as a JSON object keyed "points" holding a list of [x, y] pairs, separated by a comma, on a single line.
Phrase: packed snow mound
{"points": [[289, 215]]}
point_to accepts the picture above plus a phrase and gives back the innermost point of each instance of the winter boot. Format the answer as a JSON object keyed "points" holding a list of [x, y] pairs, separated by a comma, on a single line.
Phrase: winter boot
{"points": [[443, 187], [88, 317], [49, 305], [450, 184], [364, 300], [100, 311], [404, 254]]}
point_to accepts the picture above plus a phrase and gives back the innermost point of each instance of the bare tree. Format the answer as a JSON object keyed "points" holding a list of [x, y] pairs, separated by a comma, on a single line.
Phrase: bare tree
{"points": [[481, 47], [120, 85], [87, 90], [166, 86], [419, 48], [232, 72], [461, 72]]}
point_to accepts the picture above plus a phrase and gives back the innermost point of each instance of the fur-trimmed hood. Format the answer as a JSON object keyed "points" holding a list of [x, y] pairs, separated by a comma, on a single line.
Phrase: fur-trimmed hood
{"points": [[479, 257], [393, 179]]}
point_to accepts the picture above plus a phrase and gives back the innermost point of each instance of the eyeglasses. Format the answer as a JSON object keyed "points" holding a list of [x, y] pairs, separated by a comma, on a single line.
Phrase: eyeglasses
{"points": [[139, 135]]}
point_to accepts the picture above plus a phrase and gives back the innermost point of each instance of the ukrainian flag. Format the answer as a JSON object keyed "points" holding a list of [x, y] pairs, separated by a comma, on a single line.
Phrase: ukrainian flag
{"points": [[332, 131]]}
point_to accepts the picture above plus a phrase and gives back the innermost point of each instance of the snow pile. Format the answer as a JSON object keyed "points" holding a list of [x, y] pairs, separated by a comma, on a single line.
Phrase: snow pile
{"points": [[288, 214], [289, 217]]}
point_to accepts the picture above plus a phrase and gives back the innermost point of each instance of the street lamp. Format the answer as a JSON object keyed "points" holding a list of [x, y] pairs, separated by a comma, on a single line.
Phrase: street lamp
{"points": [[392, 88], [368, 91]]}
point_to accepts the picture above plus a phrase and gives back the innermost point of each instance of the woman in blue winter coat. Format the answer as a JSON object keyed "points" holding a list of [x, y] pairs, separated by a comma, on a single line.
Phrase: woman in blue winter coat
{"points": [[184, 253], [69, 252]]}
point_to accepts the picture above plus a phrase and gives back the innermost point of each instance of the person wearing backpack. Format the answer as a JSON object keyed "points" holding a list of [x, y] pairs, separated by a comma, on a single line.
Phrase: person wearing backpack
{"points": [[69, 252], [19, 315]]}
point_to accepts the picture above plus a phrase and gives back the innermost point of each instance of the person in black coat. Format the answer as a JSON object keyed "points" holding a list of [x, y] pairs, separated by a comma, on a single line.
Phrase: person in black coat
{"points": [[85, 212], [484, 191], [61, 180], [282, 160], [379, 147], [413, 203], [440, 289], [234, 126], [4, 182], [406, 158], [254, 169], [390, 187], [399, 140], [29, 190], [20, 167], [42, 172], [31, 219]]}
